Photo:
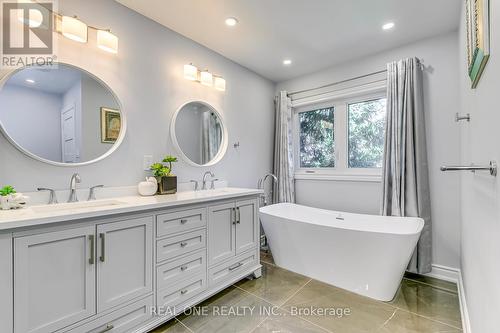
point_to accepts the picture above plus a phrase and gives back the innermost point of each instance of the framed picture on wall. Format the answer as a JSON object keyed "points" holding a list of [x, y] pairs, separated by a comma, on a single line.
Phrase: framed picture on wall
{"points": [[478, 38], [111, 124]]}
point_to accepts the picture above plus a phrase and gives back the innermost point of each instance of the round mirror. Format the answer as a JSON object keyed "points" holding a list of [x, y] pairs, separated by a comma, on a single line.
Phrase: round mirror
{"points": [[60, 114], [199, 134]]}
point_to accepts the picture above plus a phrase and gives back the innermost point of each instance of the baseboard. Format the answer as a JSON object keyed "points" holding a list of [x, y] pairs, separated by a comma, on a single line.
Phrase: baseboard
{"points": [[445, 273], [454, 275], [463, 305]]}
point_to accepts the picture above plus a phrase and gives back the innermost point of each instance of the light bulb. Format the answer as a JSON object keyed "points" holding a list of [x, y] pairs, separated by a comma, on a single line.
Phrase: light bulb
{"points": [[74, 29], [206, 78], [107, 41], [220, 83], [190, 72]]}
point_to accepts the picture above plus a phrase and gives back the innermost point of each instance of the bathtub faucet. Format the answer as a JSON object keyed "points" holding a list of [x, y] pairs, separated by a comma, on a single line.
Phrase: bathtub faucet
{"points": [[261, 184]]}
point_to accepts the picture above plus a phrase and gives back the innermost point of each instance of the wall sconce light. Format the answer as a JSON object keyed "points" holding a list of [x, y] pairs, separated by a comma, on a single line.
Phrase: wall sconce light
{"points": [[219, 83], [205, 77], [71, 28], [190, 72], [107, 41], [74, 29]]}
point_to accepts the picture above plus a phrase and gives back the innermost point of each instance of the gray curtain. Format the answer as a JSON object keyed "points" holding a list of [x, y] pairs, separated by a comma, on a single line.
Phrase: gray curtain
{"points": [[284, 191], [405, 170]]}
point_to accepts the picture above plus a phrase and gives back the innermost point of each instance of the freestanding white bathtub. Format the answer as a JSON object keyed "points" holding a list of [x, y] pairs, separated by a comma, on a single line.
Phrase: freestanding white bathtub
{"points": [[365, 254]]}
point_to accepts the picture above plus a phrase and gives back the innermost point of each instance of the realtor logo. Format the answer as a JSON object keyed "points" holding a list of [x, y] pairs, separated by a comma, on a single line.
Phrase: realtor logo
{"points": [[27, 33]]}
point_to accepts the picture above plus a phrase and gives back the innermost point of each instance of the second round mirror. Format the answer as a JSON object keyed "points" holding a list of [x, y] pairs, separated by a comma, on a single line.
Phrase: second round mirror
{"points": [[199, 134]]}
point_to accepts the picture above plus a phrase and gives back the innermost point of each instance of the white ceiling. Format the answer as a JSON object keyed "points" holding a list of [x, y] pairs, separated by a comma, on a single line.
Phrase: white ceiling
{"points": [[315, 34], [53, 81]]}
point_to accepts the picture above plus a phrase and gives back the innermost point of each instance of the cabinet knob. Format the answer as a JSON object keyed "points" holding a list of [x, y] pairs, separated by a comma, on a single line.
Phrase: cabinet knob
{"points": [[184, 244], [183, 268], [184, 221], [184, 291]]}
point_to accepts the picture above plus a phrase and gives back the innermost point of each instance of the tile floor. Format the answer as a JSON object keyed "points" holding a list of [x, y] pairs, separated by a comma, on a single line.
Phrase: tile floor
{"points": [[282, 301]]}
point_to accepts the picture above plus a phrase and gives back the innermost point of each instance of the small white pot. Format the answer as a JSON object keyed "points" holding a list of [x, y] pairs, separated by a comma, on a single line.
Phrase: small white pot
{"points": [[4, 202]]}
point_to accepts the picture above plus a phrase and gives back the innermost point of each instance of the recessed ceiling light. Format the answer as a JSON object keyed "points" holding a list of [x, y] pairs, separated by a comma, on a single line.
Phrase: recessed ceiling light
{"points": [[231, 21], [388, 26], [30, 81], [287, 62]]}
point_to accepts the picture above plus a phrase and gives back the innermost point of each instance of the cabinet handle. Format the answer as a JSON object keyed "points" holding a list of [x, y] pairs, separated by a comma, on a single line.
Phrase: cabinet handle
{"points": [[102, 236], [184, 244], [233, 215], [238, 265], [184, 221], [183, 268], [108, 327], [92, 249], [184, 291], [238, 220]]}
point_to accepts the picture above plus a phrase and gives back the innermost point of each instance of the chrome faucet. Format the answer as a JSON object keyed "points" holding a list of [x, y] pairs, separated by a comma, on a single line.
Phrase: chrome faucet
{"points": [[204, 183], [261, 184], [262, 181], [75, 179]]}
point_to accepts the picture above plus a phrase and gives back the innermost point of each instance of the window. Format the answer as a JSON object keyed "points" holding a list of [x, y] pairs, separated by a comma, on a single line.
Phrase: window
{"points": [[317, 139], [341, 138], [366, 133]]}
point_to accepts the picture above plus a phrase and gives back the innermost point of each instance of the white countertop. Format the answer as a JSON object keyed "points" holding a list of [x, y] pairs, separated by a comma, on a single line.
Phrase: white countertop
{"points": [[45, 214]]}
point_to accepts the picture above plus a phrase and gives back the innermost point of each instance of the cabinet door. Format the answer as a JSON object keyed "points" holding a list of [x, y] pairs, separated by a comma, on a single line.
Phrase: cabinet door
{"points": [[221, 233], [247, 227], [54, 277], [125, 261]]}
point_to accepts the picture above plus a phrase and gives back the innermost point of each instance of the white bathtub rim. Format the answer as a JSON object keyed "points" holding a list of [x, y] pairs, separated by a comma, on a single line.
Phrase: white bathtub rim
{"points": [[269, 211]]}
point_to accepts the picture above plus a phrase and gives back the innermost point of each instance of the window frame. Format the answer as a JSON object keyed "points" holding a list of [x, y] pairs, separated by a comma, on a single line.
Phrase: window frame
{"points": [[341, 171]]}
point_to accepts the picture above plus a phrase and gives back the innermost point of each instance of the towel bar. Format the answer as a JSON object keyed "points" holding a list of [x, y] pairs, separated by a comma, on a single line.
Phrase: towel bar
{"points": [[492, 168]]}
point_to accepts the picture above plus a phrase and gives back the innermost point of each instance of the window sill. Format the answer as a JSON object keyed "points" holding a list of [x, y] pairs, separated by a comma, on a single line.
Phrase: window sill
{"points": [[372, 178]]}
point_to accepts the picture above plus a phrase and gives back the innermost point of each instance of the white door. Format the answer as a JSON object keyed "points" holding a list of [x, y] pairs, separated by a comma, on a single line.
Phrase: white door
{"points": [[125, 261], [68, 135], [54, 276], [221, 232], [246, 225]]}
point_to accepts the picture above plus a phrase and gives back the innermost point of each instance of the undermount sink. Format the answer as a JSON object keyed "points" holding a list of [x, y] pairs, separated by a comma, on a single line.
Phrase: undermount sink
{"points": [[76, 205]]}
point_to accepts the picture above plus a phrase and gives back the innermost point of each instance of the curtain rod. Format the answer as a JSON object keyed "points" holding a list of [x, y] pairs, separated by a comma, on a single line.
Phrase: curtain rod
{"points": [[419, 62], [337, 83]]}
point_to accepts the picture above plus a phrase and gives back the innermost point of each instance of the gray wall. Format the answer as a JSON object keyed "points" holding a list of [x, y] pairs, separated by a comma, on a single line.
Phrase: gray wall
{"points": [[480, 193], [441, 102], [36, 129], [147, 75]]}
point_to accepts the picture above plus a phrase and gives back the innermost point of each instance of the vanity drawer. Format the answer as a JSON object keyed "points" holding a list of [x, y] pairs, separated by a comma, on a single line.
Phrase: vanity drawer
{"points": [[232, 268], [121, 320], [175, 271], [171, 223], [169, 248], [181, 292]]}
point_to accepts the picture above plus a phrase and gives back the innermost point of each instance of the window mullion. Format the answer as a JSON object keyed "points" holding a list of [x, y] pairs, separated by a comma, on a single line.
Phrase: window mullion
{"points": [[340, 137]]}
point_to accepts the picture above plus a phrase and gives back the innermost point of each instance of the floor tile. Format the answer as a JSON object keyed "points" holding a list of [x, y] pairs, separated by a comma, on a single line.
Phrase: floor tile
{"points": [[276, 284], [430, 302], [405, 322], [172, 326], [351, 312], [286, 323], [236, 311], [267, 257], [441, 284]]}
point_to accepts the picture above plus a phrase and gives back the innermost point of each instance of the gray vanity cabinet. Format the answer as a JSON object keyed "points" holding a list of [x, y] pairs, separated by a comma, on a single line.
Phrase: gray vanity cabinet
{"points": [[54, 276], [232, 229], [124, 261], [61, 276]]}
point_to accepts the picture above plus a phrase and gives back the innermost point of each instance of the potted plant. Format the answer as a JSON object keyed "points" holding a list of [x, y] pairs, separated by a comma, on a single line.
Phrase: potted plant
{"points": [[167, 182], [5, 194]]}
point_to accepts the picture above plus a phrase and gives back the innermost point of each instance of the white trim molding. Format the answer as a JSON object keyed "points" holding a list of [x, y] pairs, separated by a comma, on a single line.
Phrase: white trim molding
{"points": [[454, 275]]}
